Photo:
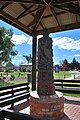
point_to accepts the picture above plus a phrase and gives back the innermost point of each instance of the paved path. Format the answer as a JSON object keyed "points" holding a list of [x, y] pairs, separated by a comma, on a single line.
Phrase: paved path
{"points": [[72, 108], [76, 73]]}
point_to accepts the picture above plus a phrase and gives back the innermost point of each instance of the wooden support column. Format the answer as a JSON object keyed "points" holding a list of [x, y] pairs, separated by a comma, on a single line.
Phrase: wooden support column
{"points": [[1, 115], [34, 46]]}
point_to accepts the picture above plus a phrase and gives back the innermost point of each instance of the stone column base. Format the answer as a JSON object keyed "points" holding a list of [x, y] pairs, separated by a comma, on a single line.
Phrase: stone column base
{"points": [[51, 106]]}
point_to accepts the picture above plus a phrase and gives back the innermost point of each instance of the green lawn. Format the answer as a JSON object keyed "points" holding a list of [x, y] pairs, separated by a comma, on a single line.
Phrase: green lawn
{"points": [[4, 84], [78, 78], [16, 73], [20, 78], [61, 74], [72, 95]]}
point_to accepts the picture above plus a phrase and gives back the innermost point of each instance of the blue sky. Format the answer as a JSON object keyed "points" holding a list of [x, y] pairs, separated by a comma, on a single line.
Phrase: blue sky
{"points": [[65, 45]]}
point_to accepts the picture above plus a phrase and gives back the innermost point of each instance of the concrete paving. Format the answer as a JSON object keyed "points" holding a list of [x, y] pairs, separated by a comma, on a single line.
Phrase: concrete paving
{"points": [[74, 75]]}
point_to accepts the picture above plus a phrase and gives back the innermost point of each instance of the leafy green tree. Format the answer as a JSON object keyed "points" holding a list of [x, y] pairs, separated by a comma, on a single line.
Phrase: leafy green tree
{"points": [[75, 64], [74, 61], [28, 58], [7, 51]]}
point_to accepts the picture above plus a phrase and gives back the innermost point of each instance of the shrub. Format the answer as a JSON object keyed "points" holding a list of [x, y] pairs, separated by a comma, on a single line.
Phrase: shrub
{"points": [[12, 77]]}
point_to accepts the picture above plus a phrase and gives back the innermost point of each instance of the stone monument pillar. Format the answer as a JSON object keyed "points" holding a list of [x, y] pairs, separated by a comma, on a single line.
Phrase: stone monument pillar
{"points": [[45, 66], [46, 102]]}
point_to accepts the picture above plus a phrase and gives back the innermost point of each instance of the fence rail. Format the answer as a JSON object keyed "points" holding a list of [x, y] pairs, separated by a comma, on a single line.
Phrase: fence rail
{"points": [[11, 115], [67, 86], [12, 94]]}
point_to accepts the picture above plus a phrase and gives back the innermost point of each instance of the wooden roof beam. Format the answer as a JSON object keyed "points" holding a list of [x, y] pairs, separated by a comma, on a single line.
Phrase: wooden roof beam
{"points": [[61, 28], [53, 13], [59, 2], [67, 9], [36, 9], [52, 10], [50, 15], [5, 5], [37, 18], [14, 22], [26, 9], [38, 2]]}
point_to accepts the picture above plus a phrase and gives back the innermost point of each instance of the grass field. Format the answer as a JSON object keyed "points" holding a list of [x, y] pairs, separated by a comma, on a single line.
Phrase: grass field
{"points": [[21, 75], [61, 74], [78, 78], [73, 95], [22, 79]]}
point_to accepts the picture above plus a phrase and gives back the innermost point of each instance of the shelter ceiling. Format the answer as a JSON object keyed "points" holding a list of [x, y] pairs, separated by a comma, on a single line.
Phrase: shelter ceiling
{"points": [[29, 15]]}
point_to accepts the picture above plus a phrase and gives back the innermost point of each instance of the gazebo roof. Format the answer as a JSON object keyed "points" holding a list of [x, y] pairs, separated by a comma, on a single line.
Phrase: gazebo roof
{"points": [[27, 15]]}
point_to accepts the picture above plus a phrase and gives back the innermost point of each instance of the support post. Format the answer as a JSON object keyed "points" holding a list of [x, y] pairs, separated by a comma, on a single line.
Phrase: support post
{"points": [[1, 115], [34, 46]]}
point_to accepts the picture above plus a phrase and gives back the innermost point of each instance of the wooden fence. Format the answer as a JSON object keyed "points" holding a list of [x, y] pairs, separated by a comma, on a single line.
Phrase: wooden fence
{"points": [[67, 86], [12, 94], [11, 115]]}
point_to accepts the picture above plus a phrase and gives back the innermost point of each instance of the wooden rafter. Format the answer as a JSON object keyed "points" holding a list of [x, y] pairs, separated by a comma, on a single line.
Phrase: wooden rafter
{"points": [[40, 17], [77, 3], [68, 9], [62, 28], [50, 15], [40, 2], [14, 21], [37, 18], [36, 9], [5, 5], [52, 10], [37, 2], [54, 14], [26, 9], [40, 21], [73, 7], [59, 2]]}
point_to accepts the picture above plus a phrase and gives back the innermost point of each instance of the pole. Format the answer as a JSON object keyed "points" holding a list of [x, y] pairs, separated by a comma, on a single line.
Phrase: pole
{"points": [[34, 46]]}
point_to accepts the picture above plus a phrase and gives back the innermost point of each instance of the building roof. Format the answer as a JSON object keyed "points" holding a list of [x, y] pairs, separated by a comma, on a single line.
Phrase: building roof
{"points": [[54, 15], [9, 64]]}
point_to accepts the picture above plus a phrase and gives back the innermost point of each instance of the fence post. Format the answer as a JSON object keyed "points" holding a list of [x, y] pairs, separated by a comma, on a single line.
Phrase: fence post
{"points": [[62, 85], [74, 76], [64, 76], [1, 115], [12, 105]]}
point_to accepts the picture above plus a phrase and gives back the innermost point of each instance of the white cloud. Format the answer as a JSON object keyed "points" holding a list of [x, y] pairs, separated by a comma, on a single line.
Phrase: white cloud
{"points": [[66, 43], [19, 39], [77, 55]]}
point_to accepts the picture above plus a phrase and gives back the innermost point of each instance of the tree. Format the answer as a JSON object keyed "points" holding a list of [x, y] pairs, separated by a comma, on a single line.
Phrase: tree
{"points": [[7, 51], [74, 61], [75, 64], [28, 58], [65, 65]]}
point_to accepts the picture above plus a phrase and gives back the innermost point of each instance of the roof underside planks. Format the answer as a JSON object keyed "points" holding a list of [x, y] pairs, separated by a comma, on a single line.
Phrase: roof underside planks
{"points": [[29, 15]]}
